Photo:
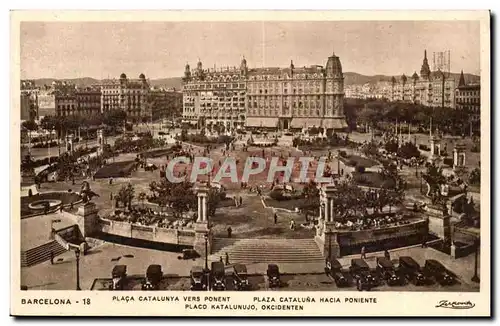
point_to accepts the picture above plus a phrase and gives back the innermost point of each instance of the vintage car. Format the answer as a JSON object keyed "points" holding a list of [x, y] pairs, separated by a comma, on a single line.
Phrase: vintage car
{"points": [[240, 277], [189, 254], [218, 276], [273, 275], [362, 275], [436, 270], [333, 268], [198, 279], [119, 277], [411, 270], [154, 275], [387, 272]]}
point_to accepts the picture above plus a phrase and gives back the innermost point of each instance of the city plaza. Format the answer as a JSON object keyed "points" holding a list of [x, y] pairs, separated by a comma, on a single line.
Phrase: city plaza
{"points": [[261, 230]]}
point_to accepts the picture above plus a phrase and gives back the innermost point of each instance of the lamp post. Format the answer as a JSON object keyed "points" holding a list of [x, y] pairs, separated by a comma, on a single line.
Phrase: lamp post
{"points": [[77, 255], [475, 278], [206, 261]]}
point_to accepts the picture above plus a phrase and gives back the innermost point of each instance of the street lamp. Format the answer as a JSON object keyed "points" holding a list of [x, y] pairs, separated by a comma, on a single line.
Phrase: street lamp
{"points": [[206, 261], [475, 278], [77, 255]]}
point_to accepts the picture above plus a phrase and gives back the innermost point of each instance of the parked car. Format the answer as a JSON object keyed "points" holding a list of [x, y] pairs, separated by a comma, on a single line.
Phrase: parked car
{"points": [[240, 277], [119, 277], [436, 270], [411, 270], [362, 275], [333, 268], [218, 276], [198, 279], [387, 272], [154, 275], [273, 275]]}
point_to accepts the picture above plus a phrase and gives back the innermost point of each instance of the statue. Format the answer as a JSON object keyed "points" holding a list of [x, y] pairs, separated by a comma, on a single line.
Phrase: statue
{"points": [[86, 193]]}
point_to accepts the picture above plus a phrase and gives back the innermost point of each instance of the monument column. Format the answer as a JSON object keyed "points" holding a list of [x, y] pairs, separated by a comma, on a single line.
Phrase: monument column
{"points": [[201, 228], [330, 246]]}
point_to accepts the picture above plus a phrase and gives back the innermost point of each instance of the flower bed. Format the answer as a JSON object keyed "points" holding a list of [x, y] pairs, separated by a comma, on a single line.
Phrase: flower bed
{"points": [[357, 161], [372, 179]]}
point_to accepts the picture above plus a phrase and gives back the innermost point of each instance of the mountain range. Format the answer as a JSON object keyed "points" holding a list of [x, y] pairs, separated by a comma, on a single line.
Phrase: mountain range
{"points": [[351, 78]]}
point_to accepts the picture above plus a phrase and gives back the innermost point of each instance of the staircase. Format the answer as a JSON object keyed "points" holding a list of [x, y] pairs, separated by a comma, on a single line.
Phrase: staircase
{"points": [[267, 250], [41, 253]]}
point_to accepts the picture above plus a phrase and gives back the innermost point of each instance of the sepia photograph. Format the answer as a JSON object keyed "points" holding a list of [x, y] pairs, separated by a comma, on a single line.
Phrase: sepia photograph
{"points": [[339, 157]]}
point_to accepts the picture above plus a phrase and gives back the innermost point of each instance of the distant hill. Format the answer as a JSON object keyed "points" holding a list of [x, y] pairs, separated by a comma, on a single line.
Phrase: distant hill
{"points": [[172, 82], [353, 78]]}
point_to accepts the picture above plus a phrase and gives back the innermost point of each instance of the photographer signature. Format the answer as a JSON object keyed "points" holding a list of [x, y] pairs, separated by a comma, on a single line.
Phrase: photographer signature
{"points": [[455, 304]]}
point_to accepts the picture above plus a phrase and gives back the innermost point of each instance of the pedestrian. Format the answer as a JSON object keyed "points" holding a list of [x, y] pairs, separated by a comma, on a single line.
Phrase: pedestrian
{"points": [[61, 208], [241, 201], [111, 196], [229, 232], [221, 260], [387, 254], [275, 218], [51, 257], [363, 252], [227, 258], [292, 225]]}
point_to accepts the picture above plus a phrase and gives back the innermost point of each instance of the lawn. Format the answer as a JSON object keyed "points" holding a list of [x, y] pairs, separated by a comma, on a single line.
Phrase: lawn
{"points": [[372, 179], [289, 204], [356, 160], [115, 170]]}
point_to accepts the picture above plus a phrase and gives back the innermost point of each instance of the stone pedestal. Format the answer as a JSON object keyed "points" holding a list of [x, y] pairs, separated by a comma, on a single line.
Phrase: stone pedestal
{"points": [[459, 156], [453, 249], [69, 143], [202, 232], [330, 246], [439, 222], [87, 219]]}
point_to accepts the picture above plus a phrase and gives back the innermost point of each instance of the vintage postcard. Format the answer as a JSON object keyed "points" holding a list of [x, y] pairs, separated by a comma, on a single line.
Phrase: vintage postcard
{"points": [[262, 163]]}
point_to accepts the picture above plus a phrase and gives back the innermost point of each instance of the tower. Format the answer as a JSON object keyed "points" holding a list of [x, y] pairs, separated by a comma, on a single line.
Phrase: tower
{"points": [[461, 81], [334, 87], [403, 81], [187, 72], [243, 67], [425, 70]]}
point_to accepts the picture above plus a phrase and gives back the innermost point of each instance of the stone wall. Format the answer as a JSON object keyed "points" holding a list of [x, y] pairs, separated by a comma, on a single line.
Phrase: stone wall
{"points": [[149, 233]]}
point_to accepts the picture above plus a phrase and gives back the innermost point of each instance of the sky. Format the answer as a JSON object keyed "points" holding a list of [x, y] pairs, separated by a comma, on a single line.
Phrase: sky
{"points": [[162, 49]]}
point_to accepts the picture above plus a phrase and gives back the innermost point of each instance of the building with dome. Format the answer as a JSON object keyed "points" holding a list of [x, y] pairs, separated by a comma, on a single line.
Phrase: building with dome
{"points": [[129, 95], [434, 89], [270, 97]]}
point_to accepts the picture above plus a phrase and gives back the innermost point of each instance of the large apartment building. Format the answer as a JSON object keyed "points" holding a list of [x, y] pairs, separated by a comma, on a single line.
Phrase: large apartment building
{"points": [[468, 98], [129, 95], [272, 97], [434, 89]]}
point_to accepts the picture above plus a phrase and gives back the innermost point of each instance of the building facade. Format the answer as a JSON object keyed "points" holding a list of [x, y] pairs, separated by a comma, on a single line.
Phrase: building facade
{"points": [[29, 100], [129, 95], [276, 98], [468, 98], [88, 100], [165, 103], [434, 89], [214, 96]]}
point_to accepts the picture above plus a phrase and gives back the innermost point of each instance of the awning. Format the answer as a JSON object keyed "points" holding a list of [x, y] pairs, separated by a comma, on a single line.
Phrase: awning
{"points": [[338, 123], [262, 122], [305, 122]]}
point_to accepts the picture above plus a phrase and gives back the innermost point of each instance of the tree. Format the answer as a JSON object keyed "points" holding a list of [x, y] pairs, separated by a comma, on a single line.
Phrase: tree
{"points": [[408, 150], [142, 197], [475, 176], [29, 125], [125, 195], [311, 203]]}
